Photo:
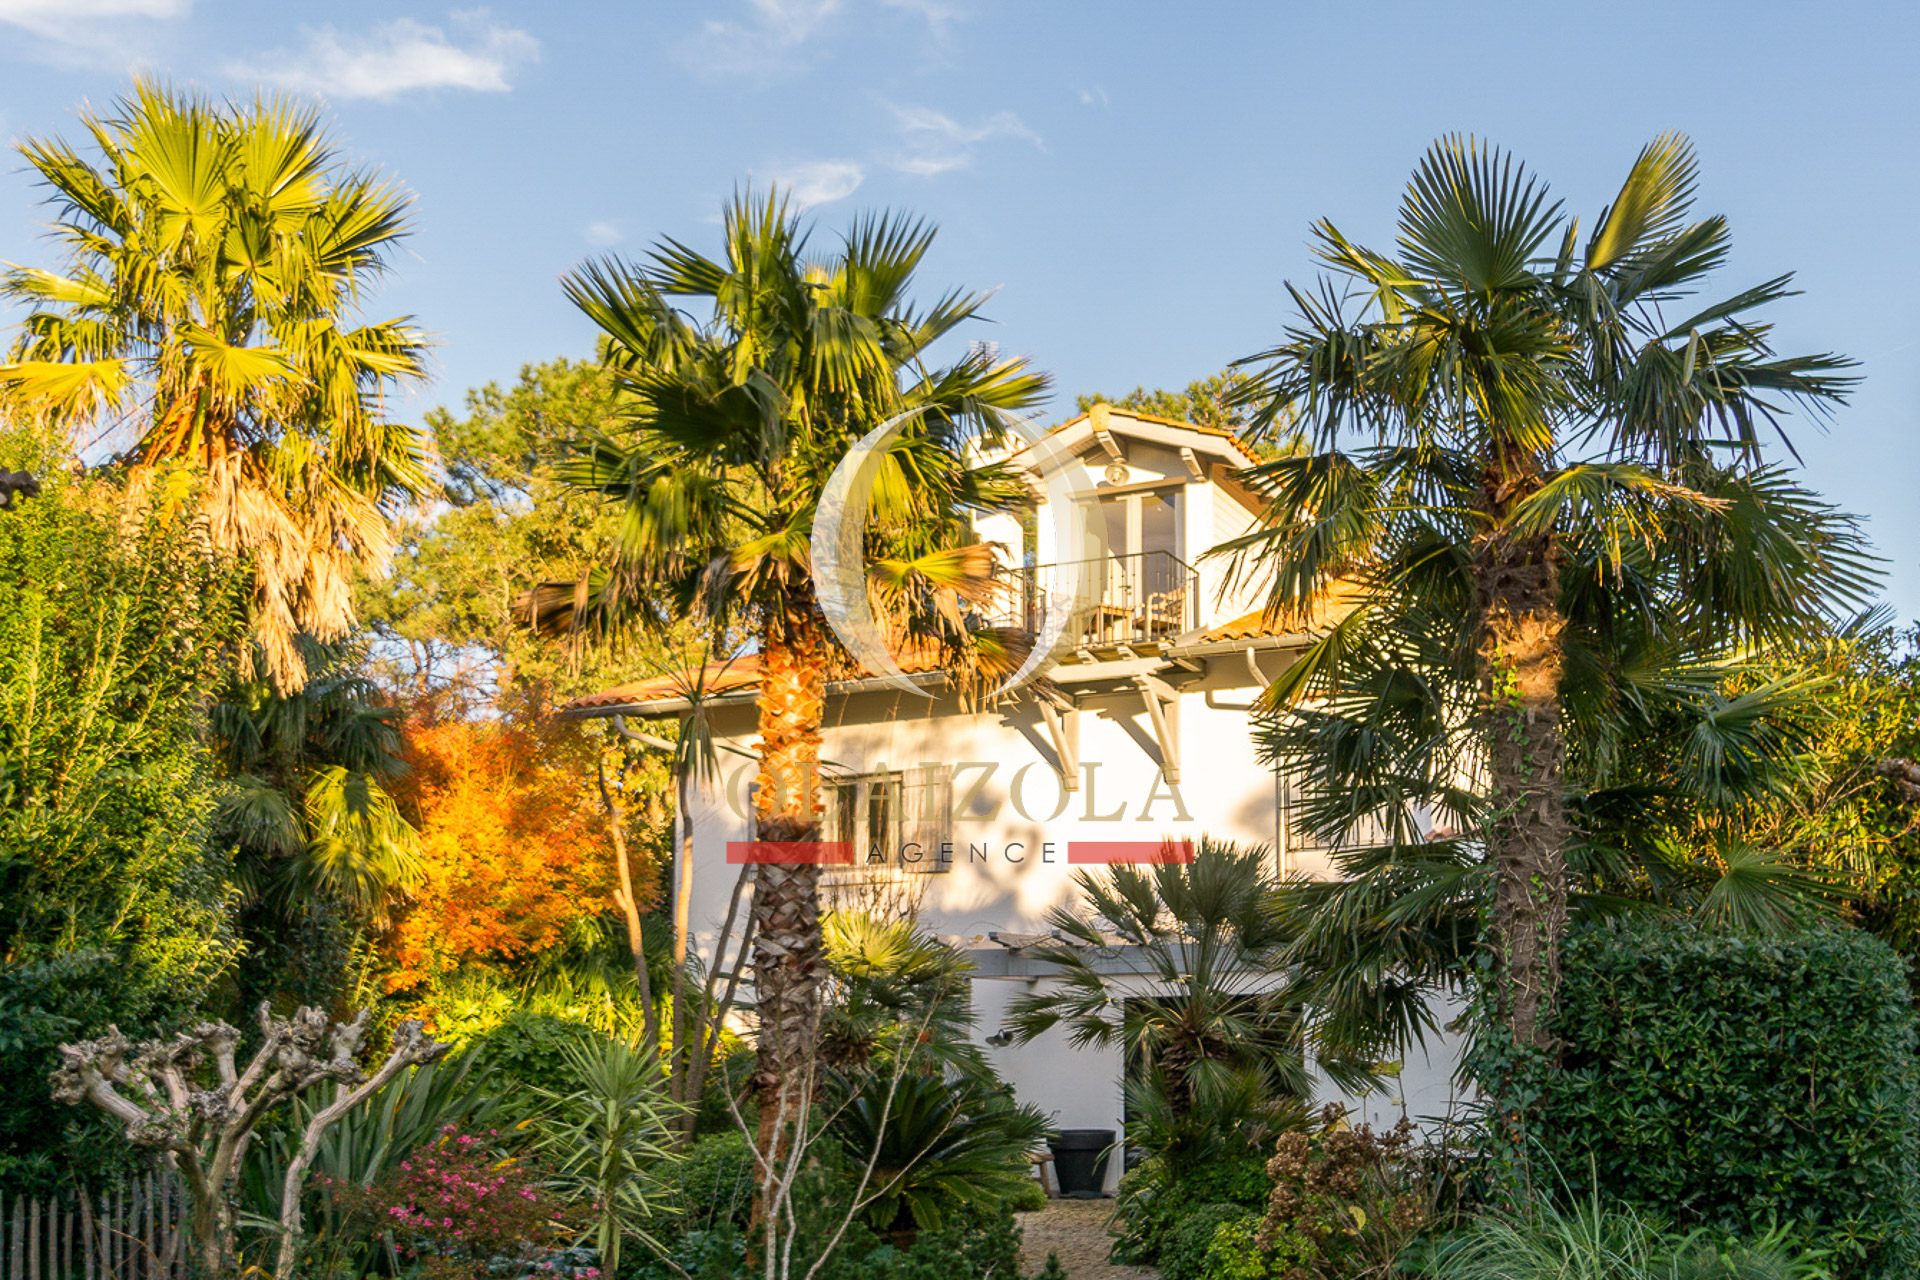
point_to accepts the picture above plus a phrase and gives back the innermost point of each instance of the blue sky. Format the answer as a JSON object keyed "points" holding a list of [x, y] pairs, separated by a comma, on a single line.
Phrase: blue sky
{"points": [[1136, 179]]}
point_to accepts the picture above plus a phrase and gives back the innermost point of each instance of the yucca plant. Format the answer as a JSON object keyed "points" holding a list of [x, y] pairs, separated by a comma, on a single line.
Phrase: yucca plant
{"points": [[608, 1135]]}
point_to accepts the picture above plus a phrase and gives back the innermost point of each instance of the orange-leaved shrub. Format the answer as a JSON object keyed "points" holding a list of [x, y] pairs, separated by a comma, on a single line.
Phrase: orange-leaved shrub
{"points": [[515, 844]]}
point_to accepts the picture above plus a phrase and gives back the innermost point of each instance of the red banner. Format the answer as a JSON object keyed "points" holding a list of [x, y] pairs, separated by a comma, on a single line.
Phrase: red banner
{"points": [[792, 853], [1108, 852]]}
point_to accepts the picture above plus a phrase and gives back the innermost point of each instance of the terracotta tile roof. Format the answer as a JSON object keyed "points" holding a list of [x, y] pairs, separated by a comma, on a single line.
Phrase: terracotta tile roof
{"points": [[1333, 604], [719, 677], [1248, 626], [738, 676], [1158, 421]]}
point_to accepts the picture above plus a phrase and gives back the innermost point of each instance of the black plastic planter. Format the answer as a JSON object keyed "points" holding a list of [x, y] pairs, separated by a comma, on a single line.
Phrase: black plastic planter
{"points": [[1080, 1160]]}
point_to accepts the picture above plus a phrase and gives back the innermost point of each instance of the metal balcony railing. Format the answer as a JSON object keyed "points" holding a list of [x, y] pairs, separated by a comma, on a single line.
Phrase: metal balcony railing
{"points": [[1143, 598]]}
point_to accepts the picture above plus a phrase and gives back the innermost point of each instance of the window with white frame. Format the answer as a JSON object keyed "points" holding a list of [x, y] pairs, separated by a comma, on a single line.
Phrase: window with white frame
{"points": [[896, 820]]}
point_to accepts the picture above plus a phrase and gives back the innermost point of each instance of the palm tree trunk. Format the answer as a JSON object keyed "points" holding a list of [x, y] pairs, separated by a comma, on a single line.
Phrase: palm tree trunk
{"points": [[786, 910], [1520, 652]]}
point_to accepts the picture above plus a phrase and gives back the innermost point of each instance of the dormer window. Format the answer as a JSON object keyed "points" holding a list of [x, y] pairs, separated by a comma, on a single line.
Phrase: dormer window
{"points": [[1160, 493], [1145, 520]]}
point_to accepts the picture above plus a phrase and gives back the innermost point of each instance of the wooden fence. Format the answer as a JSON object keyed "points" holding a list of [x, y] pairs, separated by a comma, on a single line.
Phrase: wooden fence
{"points": [[138, 1231]]}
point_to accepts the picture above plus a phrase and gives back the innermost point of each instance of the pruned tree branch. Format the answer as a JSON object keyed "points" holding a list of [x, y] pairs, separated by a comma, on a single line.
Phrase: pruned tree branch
{"points": [[155, 1090], [1904, 774], [412, 1046]]}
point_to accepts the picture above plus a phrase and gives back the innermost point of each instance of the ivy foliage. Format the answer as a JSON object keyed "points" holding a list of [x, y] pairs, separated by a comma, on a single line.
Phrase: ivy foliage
{"points": [[1733, 1082]]}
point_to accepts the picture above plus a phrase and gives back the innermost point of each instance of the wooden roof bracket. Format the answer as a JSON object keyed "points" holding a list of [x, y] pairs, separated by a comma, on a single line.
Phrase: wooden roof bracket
{"points": [[1194, 468], [1064, 731], [1156, 694], [1099, 416]]}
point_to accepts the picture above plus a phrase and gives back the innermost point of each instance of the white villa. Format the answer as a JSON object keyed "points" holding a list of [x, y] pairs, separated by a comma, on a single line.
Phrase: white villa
{"points": [[1142, 734]]}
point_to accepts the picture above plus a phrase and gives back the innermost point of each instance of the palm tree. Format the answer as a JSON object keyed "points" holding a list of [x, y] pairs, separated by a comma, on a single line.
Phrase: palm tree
{"points": [[735, 422], [318, 840], [1180, 967], [1541, 481], [895, 991], [215, 253]]}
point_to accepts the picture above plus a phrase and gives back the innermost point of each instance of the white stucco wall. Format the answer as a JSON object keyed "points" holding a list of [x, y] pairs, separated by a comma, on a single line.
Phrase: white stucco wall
{"points": [[1077, 1088], [1014, 823], [1424, 1090]]}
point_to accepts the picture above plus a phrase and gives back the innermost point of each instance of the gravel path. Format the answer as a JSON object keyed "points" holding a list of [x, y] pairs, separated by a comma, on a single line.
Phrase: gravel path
{"points": [[1077, 1231]]}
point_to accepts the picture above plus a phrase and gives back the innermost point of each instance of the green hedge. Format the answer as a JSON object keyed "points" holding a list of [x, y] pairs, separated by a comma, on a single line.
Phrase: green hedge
{"points": [[1731, 1082]]}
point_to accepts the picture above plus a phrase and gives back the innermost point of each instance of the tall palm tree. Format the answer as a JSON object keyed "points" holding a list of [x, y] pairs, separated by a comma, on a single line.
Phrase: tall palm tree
{"points": [[736, 420], [202, 322], [1534, 454]]}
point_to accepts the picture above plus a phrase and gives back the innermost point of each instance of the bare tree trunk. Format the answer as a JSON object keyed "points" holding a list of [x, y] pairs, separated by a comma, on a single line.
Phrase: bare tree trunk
{"points": [[205, 1127], [710, 1018], [209, 1223], [411, 1047], [786, 912], [616, 807], [1520, 655], [682, 914]]}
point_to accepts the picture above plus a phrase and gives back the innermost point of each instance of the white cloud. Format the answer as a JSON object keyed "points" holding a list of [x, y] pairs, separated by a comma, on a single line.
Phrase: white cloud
{"points": [[602, 234], [766, 42], [937, 13], [399, 57], [937, 143], [820, 181], [768, 36], [88, 32], [792, 21], [58, 18], [1095, 96]]}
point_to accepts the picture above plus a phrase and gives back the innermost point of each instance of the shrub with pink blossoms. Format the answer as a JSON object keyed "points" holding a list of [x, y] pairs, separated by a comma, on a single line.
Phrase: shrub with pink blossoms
{"points": [[465, 1209]]}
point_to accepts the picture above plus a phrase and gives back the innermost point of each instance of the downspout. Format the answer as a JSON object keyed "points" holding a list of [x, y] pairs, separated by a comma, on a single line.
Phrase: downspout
{"points": [[1259, 682]]}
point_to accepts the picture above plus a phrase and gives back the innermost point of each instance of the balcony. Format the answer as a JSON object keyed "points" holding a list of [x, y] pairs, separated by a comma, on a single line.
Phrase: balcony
{"points": [[1146, 598]]}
